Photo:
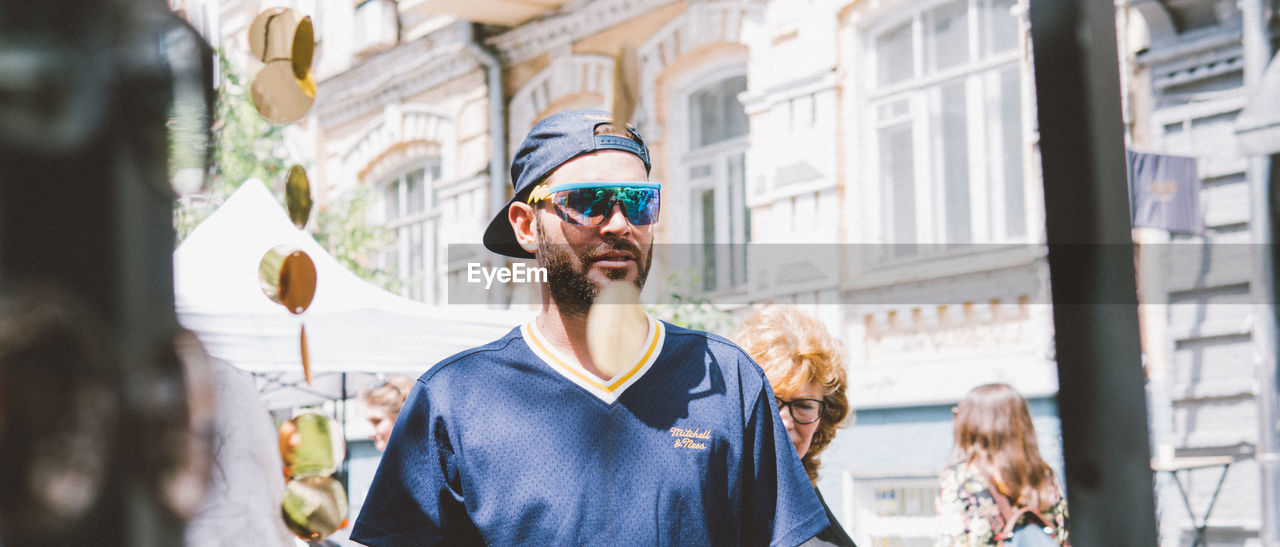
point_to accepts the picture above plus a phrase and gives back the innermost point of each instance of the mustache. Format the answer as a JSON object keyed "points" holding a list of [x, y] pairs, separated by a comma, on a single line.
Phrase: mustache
{"points": [[611, 246]]}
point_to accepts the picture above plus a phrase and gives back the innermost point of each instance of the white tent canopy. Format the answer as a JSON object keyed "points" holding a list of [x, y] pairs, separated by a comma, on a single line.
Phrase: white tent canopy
{"points": [[352, 326]]}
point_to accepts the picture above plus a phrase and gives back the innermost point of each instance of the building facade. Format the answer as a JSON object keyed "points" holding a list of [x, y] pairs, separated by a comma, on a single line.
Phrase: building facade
{"points": [[1190, 75]]}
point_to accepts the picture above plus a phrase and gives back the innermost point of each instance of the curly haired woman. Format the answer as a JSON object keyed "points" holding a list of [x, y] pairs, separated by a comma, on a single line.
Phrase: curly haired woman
{"points": [[805, 366]]}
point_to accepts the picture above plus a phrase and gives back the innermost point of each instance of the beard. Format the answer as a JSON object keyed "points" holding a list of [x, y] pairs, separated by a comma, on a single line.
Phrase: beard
{"points": [[571, 289]]}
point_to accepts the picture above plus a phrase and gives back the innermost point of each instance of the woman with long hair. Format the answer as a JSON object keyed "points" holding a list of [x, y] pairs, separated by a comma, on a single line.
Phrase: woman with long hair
{"points": [[997, 475], [805, 367]]}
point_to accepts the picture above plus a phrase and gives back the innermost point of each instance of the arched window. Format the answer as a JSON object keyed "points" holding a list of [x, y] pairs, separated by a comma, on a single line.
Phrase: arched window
{"points": [[714, 168], [410, 209], [716, 113]]}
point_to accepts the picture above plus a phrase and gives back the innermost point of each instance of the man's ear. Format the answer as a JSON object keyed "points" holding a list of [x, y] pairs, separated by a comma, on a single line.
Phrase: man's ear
{"points": [[521, 216]]}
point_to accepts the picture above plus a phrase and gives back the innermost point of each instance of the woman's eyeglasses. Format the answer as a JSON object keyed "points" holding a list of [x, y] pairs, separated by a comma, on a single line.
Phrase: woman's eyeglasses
{"points": [[591, 203], [803, 411]]}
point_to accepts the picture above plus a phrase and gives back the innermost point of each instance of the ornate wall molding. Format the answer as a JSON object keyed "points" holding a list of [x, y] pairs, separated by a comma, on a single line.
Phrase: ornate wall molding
{"points": [[388, 77], [703, 23], [567, 75], [573, 22], [1192, 62], [374, 152], [979, 296]]}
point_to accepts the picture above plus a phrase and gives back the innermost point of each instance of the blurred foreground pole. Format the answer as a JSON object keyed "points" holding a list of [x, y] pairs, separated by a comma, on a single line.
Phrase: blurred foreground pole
{"points": [[1101, 397], [85, 213]]}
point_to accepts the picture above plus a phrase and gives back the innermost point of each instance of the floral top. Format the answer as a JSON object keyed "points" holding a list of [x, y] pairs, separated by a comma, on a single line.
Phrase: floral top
{"points": [[968, 514]]}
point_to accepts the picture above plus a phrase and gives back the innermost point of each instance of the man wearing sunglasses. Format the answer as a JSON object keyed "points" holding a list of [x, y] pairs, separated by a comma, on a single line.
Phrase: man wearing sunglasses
{"points": [[527, 441]]}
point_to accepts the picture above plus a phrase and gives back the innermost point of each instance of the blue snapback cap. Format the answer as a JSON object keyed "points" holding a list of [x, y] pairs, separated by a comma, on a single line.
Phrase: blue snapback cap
{"points": [[552, 142]]}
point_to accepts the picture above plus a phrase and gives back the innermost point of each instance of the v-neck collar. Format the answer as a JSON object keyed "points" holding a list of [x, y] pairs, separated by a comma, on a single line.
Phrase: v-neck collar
{"points": [[605, 390]]}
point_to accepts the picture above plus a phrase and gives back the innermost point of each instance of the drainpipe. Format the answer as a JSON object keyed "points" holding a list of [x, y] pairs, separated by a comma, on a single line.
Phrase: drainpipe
{"points": [[497, 122], [1257, 54]]}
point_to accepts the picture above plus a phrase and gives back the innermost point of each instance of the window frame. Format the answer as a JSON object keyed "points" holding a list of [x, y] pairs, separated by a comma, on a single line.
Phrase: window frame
{"points": [[981, 78], [731, 209], [422, 285]]}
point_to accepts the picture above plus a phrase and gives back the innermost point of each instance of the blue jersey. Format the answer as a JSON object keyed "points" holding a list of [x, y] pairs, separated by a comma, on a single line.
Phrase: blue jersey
{"points": [[512, 444]]}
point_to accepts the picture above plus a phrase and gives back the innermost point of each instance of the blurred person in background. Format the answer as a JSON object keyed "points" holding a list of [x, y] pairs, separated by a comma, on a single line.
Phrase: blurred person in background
{"points": [[382, 404], [997, 484], [242, 506], [805, 366]]}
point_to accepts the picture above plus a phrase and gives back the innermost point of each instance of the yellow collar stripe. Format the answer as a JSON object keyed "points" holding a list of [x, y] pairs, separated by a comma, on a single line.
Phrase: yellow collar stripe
{"points": [[544, 351], [653, 344], [551, 357]]}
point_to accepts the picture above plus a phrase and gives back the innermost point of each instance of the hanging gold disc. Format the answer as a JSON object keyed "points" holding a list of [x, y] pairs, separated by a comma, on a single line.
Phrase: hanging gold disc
{"points": [[304, 47], [297, 196], [288, 277], [271, 34], [279, 96], [314, 507]]}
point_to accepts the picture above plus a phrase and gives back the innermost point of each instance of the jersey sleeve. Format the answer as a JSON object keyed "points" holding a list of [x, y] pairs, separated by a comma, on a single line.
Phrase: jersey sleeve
{"points": [[416, 497], [780, 506]]}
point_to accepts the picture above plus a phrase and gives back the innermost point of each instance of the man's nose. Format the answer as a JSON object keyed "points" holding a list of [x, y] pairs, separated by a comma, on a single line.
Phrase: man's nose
{"points": [[616, 223]]}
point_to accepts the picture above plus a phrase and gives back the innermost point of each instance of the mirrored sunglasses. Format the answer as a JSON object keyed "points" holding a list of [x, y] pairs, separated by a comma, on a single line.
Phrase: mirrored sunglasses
{"points": [[591, 203]]}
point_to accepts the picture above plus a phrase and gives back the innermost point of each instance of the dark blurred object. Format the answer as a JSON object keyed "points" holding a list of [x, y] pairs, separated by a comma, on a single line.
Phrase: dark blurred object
{"points": [[57, 415], [88, 91], [1100, 378], [181, 419]]}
